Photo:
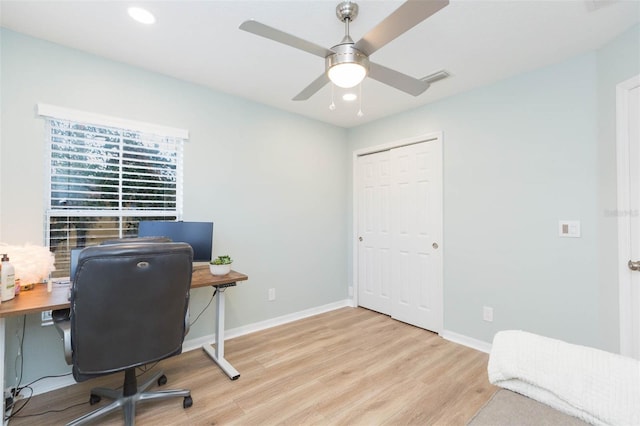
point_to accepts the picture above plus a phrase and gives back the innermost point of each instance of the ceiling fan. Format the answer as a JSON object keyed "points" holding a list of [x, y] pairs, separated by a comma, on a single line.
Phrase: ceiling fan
{"points": [[347, 63]]}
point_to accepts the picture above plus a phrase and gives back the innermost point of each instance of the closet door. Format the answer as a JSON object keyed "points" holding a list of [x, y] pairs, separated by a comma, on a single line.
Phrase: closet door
{"points": [[374, 246], [400, 233], [416, 235]]}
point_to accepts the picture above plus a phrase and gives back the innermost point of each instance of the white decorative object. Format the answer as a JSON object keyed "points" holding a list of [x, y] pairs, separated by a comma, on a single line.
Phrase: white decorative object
{"points": [[220, 269], [221, 265], [32, 263]]}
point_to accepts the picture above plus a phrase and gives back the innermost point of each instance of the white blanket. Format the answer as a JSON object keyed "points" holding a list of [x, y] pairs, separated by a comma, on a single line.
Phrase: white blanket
{"points": [[598, 387]]}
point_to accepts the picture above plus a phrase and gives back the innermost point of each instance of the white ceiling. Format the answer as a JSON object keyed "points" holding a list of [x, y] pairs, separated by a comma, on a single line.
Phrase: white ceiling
{"points": [[477, 41]]}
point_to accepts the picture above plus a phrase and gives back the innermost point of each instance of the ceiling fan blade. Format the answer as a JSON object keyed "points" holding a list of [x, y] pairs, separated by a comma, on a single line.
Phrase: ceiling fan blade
{"points": [[311, 89], [396, 79], [407, 16], [274, 34]]}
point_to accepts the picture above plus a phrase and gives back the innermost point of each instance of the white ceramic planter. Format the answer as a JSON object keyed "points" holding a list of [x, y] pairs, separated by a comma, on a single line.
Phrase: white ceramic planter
{"points": [[220, 269]]}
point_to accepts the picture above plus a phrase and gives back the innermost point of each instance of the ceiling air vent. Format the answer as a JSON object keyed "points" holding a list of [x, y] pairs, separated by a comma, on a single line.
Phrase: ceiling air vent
{"points": [[593, 5], [436, 76]]}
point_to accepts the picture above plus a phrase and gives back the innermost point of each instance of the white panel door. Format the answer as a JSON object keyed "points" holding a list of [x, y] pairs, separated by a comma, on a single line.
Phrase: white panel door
{"points": [[416, 227], [634, 142], [399, 199], [374, 263], [629, 216]]}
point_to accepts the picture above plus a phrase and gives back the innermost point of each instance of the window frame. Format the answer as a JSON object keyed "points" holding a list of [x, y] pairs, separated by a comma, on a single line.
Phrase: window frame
{"points": [[130, 138]]}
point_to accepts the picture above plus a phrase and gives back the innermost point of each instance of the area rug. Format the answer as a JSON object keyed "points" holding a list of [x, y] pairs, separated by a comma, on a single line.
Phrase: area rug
{"points": [[510, 408]]}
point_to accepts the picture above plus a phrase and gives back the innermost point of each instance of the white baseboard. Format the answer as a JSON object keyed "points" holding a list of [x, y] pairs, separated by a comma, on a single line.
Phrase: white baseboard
{"points": [[48, 385], [191, 344], [479, 345], [263, 325]]}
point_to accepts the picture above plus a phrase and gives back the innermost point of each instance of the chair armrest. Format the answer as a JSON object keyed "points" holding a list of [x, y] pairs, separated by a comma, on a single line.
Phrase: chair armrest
{"points": [[187, 325], [62, 322]]}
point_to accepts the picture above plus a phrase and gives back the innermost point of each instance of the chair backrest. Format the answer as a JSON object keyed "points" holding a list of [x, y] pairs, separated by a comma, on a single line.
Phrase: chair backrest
{"points": [[137, 240], [128, 306]]}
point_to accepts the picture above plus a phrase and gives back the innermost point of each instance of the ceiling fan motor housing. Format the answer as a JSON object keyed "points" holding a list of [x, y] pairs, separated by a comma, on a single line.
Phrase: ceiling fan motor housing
{"points": [[347, 10], [346, 54], [347, 66]]}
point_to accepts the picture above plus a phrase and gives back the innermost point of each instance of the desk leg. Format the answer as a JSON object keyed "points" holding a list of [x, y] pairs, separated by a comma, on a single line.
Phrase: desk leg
{"points": [[2, 349], [217, 354]]}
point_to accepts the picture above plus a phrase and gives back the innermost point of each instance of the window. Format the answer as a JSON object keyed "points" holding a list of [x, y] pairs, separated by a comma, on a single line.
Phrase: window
{"points": [[105, 175]]}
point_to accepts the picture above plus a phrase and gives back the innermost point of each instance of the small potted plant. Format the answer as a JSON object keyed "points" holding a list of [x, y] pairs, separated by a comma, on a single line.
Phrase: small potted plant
{"points": [[221, 265]]}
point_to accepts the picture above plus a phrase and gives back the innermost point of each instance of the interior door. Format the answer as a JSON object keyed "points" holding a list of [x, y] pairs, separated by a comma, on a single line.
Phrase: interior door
{"points": [[628, 110], [374, 247], [400, 233], [417, 235], [634, 144]]}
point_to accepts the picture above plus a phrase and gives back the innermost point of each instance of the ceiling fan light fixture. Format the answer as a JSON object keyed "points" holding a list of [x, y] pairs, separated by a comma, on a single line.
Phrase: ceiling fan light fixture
{"points": [[347, 75], [347, 67]]}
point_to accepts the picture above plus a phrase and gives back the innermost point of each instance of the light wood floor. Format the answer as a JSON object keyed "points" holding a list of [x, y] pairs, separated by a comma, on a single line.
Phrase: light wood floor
{"points": [[351, 366]]}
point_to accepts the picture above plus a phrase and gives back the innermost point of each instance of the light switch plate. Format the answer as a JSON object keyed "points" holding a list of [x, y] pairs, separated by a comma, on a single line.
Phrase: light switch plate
{"points": [[569, 228]]}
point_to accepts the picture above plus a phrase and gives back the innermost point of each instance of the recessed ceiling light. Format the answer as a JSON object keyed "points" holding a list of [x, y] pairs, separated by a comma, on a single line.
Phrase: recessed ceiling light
{"points": [[141, 15], [349, 97]]}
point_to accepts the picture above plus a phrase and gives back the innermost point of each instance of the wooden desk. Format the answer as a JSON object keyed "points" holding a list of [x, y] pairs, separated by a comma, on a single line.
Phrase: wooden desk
{"points": [[201, 277], [35, 301], [38, 300]]}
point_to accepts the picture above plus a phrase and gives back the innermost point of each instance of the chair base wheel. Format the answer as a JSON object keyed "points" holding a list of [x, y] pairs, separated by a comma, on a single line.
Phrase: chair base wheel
{"points": [[162, 380], [94, 399], [188, 402]]}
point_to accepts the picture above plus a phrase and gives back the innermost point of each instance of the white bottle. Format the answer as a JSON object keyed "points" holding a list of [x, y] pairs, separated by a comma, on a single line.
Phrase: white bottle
{"points": [[7, 280]]}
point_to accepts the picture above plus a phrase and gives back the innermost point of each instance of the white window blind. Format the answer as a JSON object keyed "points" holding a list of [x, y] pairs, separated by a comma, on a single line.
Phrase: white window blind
{"points": [[104, 179]]}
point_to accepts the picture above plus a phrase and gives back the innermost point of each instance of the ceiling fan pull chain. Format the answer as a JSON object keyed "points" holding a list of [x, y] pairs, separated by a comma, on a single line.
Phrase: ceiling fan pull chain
{"points": [[332, 105], [360, 113]]}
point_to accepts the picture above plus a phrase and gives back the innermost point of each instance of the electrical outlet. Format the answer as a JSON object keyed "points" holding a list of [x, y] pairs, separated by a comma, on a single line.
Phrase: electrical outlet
{"points": [[9, 400], [272, 294], [487, 313], [46, 318], [569, 228]]}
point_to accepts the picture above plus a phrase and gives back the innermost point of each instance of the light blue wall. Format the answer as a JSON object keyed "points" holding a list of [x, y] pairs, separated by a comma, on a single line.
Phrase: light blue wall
{"points": [[519, 155], [273, 182]]}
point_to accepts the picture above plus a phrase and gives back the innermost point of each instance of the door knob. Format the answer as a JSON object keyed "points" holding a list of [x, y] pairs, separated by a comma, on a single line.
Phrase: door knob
{"points": [[359, 238], [434, 245], [634, 266]]}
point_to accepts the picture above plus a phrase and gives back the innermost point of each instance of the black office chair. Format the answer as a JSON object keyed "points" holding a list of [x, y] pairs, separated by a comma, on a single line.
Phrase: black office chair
{"points": [[62, 317], [129, 307]]}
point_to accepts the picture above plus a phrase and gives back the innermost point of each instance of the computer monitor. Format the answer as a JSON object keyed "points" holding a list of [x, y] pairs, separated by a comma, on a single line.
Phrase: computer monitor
{"points": [[73, 263], [199, 235]]}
